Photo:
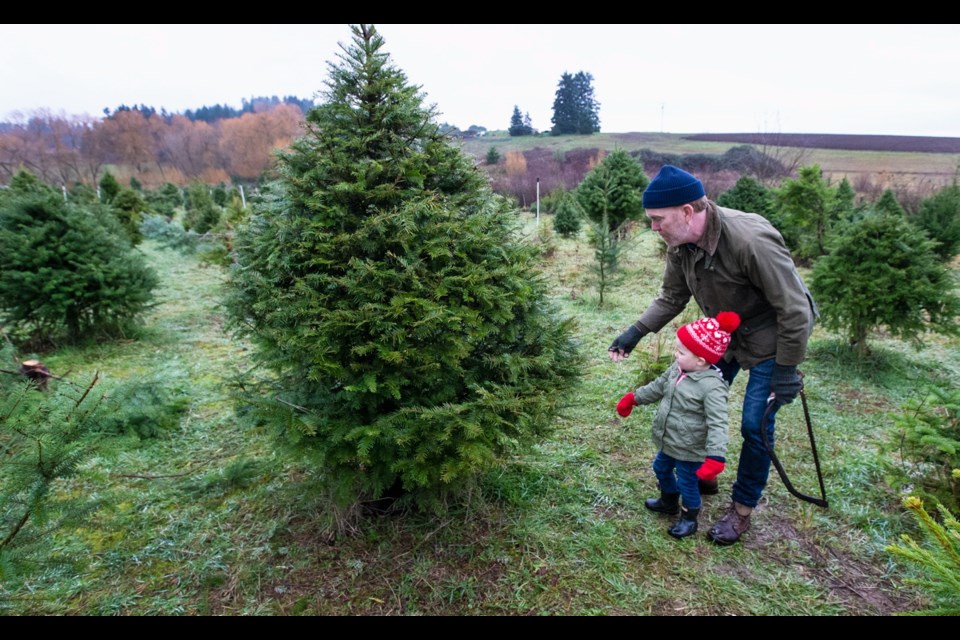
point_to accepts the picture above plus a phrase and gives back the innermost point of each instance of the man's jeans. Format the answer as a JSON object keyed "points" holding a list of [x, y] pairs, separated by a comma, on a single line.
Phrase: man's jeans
{"points": [[754, 466]]}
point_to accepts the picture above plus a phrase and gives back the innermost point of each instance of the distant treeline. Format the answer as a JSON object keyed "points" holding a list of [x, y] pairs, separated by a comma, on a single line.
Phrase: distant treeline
{"points": [[222, 111], [211, 144], [218, 111]]}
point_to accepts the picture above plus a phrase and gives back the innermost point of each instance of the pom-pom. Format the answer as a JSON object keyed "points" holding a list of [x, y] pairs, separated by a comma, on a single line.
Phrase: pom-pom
{"points": [[728, 320]]}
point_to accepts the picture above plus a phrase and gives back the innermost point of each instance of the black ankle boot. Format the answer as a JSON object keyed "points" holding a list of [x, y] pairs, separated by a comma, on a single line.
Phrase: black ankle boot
{"points": [[686, 525], [667, 503]]}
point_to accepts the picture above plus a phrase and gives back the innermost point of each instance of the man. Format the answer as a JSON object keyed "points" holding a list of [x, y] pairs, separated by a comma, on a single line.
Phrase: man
{"points": [[729, 260]]}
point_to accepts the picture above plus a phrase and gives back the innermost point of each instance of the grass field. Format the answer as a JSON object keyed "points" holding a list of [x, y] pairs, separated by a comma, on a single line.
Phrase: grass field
{"points": [[212, 519], [883, 169]]}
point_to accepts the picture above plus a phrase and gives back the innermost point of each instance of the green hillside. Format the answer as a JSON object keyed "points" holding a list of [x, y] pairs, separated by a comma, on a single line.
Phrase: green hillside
{"points": [[884, 168]]}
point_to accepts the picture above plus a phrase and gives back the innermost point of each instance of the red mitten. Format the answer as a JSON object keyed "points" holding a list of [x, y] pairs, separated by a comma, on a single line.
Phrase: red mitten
{"points": [[626, 404], [710, 469]]}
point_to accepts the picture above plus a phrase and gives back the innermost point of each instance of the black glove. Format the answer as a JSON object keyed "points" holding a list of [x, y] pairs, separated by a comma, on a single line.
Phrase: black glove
{"points": [[627, 340], [785, 383]]}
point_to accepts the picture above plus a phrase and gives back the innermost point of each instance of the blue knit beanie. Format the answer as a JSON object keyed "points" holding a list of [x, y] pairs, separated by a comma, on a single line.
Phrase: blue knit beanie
{"points": [[671, 187]]}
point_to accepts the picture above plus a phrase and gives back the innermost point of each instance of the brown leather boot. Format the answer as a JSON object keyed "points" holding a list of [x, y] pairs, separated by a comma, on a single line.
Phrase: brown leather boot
{"points": [[732, 525]]}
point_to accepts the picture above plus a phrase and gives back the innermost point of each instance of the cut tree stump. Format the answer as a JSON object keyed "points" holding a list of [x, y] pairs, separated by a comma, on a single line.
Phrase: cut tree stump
{"points": [[37, 372]]}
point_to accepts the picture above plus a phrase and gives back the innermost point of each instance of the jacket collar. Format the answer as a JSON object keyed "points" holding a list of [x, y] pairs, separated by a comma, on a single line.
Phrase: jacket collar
{"points": [[713, 370], [711, 232]]}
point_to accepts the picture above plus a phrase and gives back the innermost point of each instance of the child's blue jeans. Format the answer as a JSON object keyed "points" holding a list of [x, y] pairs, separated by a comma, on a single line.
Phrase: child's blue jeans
{"points": [[678, 476]]}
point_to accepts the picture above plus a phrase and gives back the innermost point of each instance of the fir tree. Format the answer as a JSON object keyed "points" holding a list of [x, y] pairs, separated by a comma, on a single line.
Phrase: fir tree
{"points": [[575, 110], [804, 209], [520, 125], [923, 448], [387, 290], [219, 195], [749, 195], [564, 107], [202, 212], [109, 187], [568, 216], [937, 554], [517, 127], [165, 200], [939, 216], [882, 272], [528, 124], [129, 207], [888, 202], [606, 253], [844, 199], [68, 271], [611, 195], [24, 183], [613, 190], [171, 193], [82, 194], [588, 109], [45, 438]]}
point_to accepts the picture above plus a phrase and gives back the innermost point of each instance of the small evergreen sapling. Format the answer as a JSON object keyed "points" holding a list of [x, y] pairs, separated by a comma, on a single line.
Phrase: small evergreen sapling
{"points": [[939, 216], [68, 272], [44, 438], [606, 253], [925, 446], [844, 202], [882, 272], [203, 214], [938, 557], [749, 195], [568, 217], [109, 188], [129, 207], [804, 209], [613, 190]]}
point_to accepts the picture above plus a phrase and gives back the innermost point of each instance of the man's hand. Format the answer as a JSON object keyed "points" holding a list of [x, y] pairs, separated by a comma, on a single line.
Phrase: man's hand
{"points": [[626, 404], [711, 468], [625, 343], [786, 383]]}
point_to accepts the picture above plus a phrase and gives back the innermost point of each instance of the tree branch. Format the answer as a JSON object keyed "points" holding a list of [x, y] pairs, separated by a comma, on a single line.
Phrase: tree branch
{"points": [[146, 477]]}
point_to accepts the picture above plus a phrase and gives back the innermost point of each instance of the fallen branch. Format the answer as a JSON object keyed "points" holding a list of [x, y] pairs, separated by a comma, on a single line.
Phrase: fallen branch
{"points": [[145, 477], [45, 374], [96, 376], [294, 406]]}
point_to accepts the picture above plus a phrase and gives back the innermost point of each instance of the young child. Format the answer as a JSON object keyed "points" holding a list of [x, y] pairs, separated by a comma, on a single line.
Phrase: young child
{"points": [[690, 426]]}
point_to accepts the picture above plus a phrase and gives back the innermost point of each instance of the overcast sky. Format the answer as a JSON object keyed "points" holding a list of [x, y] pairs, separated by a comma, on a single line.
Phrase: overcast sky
{"points": [[867, 79]]}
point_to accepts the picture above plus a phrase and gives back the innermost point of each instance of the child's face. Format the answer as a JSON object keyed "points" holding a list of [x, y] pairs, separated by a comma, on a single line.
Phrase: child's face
{"points": [[686, 360]]}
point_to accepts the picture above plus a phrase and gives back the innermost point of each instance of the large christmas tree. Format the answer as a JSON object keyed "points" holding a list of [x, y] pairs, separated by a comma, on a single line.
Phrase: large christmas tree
{"points": [[402, 318]]}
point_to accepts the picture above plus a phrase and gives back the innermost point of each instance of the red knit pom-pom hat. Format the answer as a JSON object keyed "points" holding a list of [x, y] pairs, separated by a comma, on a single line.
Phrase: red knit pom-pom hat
{"points": [[708, 338]]}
